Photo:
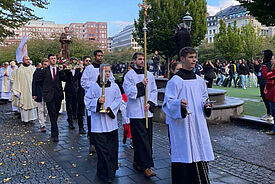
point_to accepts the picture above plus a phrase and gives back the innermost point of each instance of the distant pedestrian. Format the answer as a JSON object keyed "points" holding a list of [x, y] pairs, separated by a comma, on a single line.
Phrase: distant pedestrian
{"points": [[156, 59], [209, 73], [266, 67], [270, 90]]}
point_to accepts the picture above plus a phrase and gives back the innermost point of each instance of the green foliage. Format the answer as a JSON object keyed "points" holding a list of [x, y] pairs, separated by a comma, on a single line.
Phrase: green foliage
{"points": [[164, 16], [263, 10], [197, 9], [253, 43], [39, 49], [119, 56], [207, 51], [228, 41], [14, 13]]}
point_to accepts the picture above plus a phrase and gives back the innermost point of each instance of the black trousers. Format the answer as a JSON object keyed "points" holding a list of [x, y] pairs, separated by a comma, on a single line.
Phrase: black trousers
{"points": [[53, 111], [106, 145], [71, 106], [80, 113], [193, 173], [142, 142], [210, 82], [266, 102]]}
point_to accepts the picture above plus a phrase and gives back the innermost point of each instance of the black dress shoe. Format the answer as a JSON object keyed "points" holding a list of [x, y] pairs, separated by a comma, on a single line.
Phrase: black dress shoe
{"points": [[71, 126], [55, 139], [82, 131], [124, 140], [92, 149]]}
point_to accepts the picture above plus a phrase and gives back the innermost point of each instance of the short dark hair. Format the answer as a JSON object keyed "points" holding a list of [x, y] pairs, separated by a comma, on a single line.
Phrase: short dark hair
{"points": [[85, 57], [267, 56], [136, 54], [187, 50], [51, 55], [96, 51]]}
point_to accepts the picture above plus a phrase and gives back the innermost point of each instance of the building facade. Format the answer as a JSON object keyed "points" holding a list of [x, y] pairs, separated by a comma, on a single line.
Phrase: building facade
{"points": [[125, 39], [36, 29], [95, 32], [229, 15]]}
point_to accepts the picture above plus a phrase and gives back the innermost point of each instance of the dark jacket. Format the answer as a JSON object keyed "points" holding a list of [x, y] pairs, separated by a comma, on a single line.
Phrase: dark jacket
{"points": [[37, 86], [182, 39], [71, 86], [52, 89], [80, 90], [243, 69], [209, 72]]}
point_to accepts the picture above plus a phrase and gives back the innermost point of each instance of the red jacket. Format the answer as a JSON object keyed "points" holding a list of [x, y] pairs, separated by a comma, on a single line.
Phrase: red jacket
{"points": [[270, 84]]}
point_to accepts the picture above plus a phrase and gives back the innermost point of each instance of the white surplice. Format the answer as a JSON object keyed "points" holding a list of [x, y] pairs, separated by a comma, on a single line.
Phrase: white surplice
{"points": [[101, 122], [135, 106], [190, 140]]}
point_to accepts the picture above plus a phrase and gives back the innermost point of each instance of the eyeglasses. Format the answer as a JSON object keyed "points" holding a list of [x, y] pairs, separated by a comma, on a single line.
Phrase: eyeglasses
{"points": [[87, 60]]}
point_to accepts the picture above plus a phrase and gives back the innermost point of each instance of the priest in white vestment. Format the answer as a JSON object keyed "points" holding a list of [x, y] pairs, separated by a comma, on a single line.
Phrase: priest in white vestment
{"points": [[5, 73], [22, 89], [185, 105]]}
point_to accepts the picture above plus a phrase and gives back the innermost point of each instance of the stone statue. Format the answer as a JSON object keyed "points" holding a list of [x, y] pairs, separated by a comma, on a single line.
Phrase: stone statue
{"points": [[65, 40]]}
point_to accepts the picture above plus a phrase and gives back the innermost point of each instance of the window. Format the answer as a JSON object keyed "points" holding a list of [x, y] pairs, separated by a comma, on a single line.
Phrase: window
{"points": [[210, 31], [214, 31], [210, 39]]}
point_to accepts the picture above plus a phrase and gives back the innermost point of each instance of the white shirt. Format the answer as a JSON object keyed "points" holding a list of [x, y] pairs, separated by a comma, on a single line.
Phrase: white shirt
{"points": [[51, 68]]}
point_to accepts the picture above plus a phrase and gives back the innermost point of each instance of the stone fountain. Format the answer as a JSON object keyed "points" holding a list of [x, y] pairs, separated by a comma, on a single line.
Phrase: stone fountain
{"points": [[222, 110]]}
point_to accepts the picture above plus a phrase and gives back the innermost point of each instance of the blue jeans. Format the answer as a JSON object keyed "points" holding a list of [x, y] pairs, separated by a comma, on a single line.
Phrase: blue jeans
{"points": [[221, 80], [272, 112], [243, 79], [156, 69]]}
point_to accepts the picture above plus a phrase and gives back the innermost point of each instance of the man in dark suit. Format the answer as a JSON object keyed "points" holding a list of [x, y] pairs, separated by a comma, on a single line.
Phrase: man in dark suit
{"points": [[70, 96], [182, 39], [37, 96], [80, 96], [52, 92]]}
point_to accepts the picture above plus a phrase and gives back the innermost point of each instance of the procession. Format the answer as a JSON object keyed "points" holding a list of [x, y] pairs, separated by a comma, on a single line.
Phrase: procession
{"points": [[124, 120]]}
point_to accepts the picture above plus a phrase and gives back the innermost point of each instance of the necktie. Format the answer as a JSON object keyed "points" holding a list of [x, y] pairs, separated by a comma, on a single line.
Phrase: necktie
{"points": [[53, 73]]}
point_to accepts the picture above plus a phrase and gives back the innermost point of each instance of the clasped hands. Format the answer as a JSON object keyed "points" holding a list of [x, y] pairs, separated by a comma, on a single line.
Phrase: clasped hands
{"points": [[102, 101]]}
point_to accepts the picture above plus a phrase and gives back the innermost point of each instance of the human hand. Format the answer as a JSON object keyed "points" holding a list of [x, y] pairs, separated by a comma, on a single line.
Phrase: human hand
{"points": [[146, 107], [101, 99], [145, 81], [183, 103], [34, 97]]}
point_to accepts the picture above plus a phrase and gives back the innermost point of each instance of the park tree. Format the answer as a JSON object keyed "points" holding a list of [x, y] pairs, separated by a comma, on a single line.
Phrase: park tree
{"points": [[40, 48], [163, 19], [228, 41], [123, 55], [263, 10], [15, 13], [252, 41]]}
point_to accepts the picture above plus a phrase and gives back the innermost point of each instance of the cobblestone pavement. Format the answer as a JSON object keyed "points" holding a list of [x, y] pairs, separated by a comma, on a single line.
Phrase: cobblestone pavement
{"points": [[29, 156]]}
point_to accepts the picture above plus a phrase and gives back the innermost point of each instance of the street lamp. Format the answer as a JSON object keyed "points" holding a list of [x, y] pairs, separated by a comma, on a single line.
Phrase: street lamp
{"points": [[187, 20]]}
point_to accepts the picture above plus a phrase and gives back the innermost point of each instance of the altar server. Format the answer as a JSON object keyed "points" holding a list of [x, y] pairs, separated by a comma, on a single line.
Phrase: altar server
{"points": [[134, 88], [185, 105], [104, 127]]}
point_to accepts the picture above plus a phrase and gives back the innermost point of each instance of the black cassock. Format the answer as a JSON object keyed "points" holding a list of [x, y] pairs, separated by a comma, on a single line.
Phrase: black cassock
{"points": [[106, 145]]}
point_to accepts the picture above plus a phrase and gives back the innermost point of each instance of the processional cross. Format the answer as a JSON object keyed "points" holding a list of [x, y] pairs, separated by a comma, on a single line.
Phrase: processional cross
{"points": [[145, 6]]}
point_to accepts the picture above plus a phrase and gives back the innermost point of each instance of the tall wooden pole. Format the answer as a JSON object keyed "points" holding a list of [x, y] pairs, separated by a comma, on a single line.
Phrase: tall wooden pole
{"points": [[145, 6]]}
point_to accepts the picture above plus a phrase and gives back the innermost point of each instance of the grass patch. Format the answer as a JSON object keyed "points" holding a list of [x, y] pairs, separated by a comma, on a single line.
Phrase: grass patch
{"points": [[253, 93], [256, 109]]}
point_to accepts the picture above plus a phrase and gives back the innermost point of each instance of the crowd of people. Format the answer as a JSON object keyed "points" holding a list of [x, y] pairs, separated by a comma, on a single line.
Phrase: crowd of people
{"points": [[90, 90]]}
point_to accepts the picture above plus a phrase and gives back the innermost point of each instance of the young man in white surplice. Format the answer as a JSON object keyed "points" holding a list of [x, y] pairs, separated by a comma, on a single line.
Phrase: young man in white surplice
{"points": [[186, 104]]}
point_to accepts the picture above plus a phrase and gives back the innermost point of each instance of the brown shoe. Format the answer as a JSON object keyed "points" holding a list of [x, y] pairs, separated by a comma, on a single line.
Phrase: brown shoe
{"points": [[270, 133], [149, 173], [43, 129]]}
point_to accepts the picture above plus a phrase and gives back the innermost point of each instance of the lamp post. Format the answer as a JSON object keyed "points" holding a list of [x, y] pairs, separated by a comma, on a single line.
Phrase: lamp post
{"points": [[187, 21]]}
